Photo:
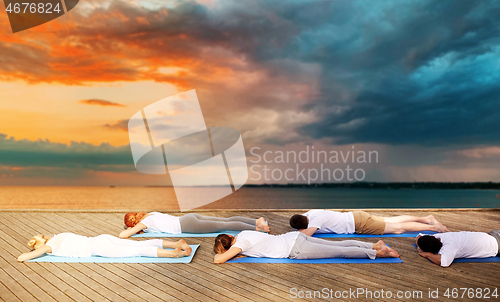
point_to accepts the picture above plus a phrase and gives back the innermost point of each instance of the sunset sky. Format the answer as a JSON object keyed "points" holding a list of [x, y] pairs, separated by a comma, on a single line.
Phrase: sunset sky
{"points": [[418, 81]]}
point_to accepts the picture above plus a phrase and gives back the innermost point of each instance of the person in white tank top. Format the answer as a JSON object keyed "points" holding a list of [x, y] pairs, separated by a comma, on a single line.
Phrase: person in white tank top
{"points": [[72, 245], [137, 222]]}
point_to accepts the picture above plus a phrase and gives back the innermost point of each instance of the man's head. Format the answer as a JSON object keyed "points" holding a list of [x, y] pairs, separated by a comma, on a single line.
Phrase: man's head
{"points": [[299, 222], [430, 244]]}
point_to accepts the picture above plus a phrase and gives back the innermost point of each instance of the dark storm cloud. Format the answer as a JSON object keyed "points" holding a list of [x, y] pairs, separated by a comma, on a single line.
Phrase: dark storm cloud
{"points": [[409, 73], [392, 72]]}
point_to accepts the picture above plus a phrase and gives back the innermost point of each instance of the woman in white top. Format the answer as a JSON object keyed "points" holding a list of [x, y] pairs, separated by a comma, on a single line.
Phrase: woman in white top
{"points": [[72, 245], [189, 223], [295, 245]]}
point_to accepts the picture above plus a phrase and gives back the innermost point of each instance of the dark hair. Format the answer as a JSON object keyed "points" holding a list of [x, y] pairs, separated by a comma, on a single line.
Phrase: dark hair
{"points": [[222, 243], [298, 222], [429, 244]]}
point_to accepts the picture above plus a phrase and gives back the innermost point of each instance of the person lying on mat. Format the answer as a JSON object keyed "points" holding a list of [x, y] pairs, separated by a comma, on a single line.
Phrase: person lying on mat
{"points": [[72, 245], [360, 222], [189, 223], [295, 245], [442, 249]]}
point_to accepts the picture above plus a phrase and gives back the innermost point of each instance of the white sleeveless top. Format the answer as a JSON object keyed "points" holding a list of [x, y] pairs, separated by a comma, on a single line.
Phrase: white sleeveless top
{"points": [[69, 245], [162, 223], [258, 244]]}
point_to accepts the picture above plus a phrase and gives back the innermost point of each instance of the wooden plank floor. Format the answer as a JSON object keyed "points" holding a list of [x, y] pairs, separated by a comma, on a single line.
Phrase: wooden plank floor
{"points": [[202, 280]]}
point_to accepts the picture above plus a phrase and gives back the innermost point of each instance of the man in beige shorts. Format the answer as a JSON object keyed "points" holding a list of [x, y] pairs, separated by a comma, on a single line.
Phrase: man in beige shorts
{"points": [[360, 222]]}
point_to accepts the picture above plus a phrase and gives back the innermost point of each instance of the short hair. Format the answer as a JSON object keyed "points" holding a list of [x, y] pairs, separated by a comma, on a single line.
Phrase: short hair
{"points": [[430, 244], [298, 222]]}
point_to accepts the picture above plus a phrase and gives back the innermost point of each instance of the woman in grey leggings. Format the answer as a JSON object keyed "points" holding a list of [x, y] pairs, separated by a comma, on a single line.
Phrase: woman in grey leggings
{"points": [[295, 245], [189, 223]]}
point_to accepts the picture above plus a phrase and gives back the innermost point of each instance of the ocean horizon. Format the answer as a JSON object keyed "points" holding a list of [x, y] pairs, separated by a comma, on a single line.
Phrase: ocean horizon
{"points": [[250, 197]]}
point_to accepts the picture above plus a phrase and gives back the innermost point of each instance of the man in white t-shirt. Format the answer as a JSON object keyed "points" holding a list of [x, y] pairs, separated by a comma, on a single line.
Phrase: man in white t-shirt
{"points": [[360, 222], [442, 249]]}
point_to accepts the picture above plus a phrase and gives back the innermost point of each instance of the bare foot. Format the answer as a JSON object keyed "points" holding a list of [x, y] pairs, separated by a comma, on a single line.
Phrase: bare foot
{"points": [[393, 253], [441, 228], [260, 221], [178, 253], [387, 252], [262, 228], [432, 220], [378, 246], [181, 244]]}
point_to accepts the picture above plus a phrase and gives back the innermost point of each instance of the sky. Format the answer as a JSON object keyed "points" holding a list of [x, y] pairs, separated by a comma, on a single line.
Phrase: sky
{"points": [[415, 81]]}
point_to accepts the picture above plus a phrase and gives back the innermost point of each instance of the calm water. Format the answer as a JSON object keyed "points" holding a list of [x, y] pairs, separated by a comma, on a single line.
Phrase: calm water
{"points": [[245, 198]]}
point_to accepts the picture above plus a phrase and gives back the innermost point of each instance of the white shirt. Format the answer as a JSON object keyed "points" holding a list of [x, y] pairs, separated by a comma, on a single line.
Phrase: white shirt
{"points": [[69, 245], [466, 245], [331, 221], [258, 244], [162, 223]]}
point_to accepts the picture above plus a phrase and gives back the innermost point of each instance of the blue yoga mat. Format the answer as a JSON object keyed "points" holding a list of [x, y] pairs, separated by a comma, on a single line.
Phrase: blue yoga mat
{"points": [[472, 260], [181, 235], [97, 259], [326, 260], [407, 234]]}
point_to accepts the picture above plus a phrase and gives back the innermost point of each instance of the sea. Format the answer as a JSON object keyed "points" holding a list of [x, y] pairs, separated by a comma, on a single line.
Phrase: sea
{"points": [[163, 198]]}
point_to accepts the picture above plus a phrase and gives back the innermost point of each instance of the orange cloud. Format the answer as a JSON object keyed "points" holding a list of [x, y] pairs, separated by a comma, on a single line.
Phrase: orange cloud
{"points": [[120, 125], [101, 103]]}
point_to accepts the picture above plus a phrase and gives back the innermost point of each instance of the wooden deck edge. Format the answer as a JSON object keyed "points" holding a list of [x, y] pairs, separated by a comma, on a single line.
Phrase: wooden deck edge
{"points": [[247, 210]]}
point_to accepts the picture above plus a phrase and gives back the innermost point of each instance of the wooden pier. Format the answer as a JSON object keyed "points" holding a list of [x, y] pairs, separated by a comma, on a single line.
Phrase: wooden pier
{"points": [[201, 280]]}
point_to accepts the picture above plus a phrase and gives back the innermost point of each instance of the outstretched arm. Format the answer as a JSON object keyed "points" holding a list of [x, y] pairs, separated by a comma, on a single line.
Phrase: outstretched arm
{"points": [[131, 231], [309, 231], [36, 253], [229, 254]]}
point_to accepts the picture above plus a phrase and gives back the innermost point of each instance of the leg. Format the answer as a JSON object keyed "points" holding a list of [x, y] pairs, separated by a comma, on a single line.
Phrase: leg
{"points": [[181, 244], [110, 246], [401, 227], [234, 218], [343, 243], [408, 218], [191, 224], [317, 249], [161, 243], [129, 242]]}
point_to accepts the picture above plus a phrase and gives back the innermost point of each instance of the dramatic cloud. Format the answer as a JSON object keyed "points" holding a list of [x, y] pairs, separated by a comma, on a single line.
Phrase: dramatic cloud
{"points": [[23, 154], [417, 77], [405, 72], [100, 103]]}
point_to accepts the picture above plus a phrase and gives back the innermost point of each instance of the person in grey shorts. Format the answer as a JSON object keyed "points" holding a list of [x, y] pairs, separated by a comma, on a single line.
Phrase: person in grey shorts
{"points": [[295, 245], [189, 223]]}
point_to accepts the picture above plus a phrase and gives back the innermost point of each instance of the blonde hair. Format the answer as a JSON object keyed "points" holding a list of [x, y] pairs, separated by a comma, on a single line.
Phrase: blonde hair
{"points": [[37, 241], [133, 218]]}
